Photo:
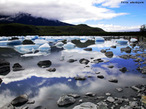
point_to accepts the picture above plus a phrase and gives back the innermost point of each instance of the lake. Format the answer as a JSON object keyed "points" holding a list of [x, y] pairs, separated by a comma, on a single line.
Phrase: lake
{"points": [[82, 64]]}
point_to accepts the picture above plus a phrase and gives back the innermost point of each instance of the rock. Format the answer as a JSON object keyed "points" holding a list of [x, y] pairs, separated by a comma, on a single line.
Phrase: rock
{"points": [[113, 80], [125, 56], [88, 49], [74, 95], [1, 80], [90, 94], [108, 94], [102, 51], [100, 97], [143, 70], [124, 69], [65, 100], [4, 67], [102, 105], [119, 89], [17, 67], [139, 60], [39, 107], [113, 46], [26, 42], [136, 88], [109, 54], [80, 78], [97, 72], [100, 76], [71, 60], [127, 49], [110, 66], [86, 105], [80, 101], [20, 100], [51, 69], [110, 99], [133, 104], [125, 107], [97, 60], [84, 61], [44, 64], [143, 100]]}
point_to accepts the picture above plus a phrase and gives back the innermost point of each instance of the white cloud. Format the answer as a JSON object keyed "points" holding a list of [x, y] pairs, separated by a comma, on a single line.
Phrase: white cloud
{"points": [[66, 10], [115, 28]]}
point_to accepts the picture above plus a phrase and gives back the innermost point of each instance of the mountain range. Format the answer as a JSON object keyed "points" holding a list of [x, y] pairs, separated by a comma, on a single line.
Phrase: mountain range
{"points": [[28, 19]]}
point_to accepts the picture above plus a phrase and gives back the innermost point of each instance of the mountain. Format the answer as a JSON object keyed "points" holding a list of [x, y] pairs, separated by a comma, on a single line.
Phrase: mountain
{"points": [[28, 19]]}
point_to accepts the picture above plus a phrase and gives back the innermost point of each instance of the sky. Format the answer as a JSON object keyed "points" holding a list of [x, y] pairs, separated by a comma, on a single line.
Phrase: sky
{"points": [[110, 15]]}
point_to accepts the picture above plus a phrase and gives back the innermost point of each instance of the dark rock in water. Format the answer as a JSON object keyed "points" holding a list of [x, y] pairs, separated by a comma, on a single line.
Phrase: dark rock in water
{"points": [[17, 67], [51, 69], [71, 60], [113, 46], [20, 100], [109, 54], [65, 100], [110, 66], [80, 78], [25, 42], [45, 63], [4, 67], [139, 60], [88, 49], [100, 76], [74, 95], [103, 51], [124, 69], [84, 61], [14, 38], [1, 80], [113, 80], [127, 49], [98, 60]]}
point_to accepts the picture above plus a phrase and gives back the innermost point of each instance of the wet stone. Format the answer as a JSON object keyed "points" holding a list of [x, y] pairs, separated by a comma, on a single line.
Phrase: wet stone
{"points": [[90, 94], [109, 54], [86, 105], [20, 100], [108, 94], [4, 67], [98, 60], [51, 69], [44, 64], [113, 80], [71, 60], [124, 69], [80, 78], [84, 61], [65, 100], [100, 76], [17, 67], [110, 99], [127, 49], [88, 49]]}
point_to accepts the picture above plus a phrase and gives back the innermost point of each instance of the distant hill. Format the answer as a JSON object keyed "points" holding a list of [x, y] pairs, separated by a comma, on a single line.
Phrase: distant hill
{"points": [[21, 29], [28, 19]]}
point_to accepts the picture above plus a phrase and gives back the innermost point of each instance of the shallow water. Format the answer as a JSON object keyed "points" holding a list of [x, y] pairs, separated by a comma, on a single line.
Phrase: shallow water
{"points": [[46, 87]]}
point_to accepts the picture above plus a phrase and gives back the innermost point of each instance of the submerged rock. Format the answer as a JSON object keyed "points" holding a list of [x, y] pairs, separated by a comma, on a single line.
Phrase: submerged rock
{"points": [[86, 105], [127, 49], [65, 100], [20, 100], [51, 69], [124, 69], [45, 63], [4, 67], [109, 54], [17, 67], [100, 76], [84, 61]]}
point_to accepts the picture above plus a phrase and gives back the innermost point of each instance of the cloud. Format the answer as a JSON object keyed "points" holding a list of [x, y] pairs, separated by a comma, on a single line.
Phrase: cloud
{"points": [[115, 28], [70, 11]]}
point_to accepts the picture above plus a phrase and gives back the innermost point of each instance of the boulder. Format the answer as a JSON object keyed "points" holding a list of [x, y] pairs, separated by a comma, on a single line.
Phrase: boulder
{"points": [[51, 69], [100, 76], [65, 100], [88, 49], [20, 100], [45, 63], [127, 49], [17, 67], [124, 69], [109, 54], [4, 67], [113, 80], [26, 42], [71, 60], [86, 105], [84, 61]]}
